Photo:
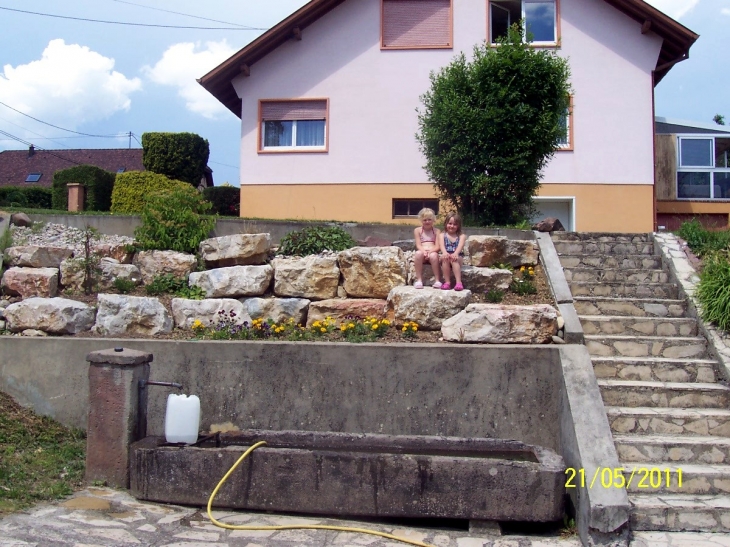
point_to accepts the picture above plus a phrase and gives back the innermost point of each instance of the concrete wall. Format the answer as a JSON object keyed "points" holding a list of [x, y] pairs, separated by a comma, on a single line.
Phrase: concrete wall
{"points": [[125, 226]]}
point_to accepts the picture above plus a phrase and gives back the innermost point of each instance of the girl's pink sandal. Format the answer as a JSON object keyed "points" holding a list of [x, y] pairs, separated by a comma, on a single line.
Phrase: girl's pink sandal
{"points": [[446, 287], [459, 287]]}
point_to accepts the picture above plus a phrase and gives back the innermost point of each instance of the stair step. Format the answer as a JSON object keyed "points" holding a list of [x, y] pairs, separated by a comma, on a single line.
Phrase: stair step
{"points": [[664, 394], [615, 275], [669, 421], [621, 289], [635, 307], [604, 248], [673, 448], [655, 369], [632, 262], [600, 237], [638, 326], [676, 347], [651, 478], [680, 513]]}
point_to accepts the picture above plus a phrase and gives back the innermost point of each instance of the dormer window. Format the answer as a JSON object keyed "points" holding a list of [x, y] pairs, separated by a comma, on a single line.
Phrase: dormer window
{"points": [[540, 16], [120, 170], [33, 177], [416, 24]]}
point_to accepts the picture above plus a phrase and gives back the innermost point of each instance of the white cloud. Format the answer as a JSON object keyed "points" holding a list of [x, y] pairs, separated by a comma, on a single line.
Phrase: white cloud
{"points": [[725, 11], [181, 65], [676, 9], [68, 86]]}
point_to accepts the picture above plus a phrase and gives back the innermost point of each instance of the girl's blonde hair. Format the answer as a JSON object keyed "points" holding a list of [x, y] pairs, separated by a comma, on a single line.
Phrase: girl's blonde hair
{"points": [[426, 213], [456, 219]]}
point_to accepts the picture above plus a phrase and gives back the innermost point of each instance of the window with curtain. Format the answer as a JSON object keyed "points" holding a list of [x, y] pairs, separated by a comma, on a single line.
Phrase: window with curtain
{"points": [[540, 17], [413, 24], [299, 125]]}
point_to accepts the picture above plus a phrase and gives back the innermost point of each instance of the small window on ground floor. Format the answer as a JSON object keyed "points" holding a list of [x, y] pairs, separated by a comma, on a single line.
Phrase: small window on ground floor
{"points": [[293, 125], [409, 208]]}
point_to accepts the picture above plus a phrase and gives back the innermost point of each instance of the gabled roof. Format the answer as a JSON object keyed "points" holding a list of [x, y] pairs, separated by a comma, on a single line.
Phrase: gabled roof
{"points": [[677, 39], [16, 165]]}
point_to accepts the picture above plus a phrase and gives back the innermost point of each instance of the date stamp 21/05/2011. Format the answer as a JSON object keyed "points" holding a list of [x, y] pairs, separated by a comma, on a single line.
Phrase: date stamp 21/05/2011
{"points": [[620, 477]]}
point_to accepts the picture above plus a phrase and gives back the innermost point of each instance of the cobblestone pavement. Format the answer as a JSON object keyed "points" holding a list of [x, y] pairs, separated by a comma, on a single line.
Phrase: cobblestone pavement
{"points": [[101, 517]]}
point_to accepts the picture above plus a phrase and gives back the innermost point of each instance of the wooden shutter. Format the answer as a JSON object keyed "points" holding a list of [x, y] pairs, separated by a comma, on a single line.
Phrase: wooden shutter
{"points": [[416, 23], [294, 110]]}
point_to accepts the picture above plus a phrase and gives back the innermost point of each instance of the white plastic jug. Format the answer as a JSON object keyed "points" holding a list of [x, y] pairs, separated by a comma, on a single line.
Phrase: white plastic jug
{"points": [[182, 418]]}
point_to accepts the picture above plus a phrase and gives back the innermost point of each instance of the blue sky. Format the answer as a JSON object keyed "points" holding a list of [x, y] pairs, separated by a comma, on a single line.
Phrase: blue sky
{"points": [[108, 79]]}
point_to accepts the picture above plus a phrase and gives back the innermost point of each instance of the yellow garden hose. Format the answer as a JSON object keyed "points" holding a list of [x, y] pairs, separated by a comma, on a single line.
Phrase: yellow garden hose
{"points": [[293, 526]]}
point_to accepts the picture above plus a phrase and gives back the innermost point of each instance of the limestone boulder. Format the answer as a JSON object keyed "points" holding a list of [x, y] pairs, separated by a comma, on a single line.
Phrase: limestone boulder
{"points": [[21, 219], [312, 277], [483, 280], [233, 281], [154, 263], [109, 269], [117, 251], [502, 324], [428, 307], [341, 309], [120, 315], [371, 272], [32, 256], [51, 315], [211, 311], [549, 224], [235, 250], [485, 251], [279, 310], [28, 282]]}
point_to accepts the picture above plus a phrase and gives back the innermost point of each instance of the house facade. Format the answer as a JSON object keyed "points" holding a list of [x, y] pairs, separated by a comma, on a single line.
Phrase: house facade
{"points": [[692, 173], [328, 105]]}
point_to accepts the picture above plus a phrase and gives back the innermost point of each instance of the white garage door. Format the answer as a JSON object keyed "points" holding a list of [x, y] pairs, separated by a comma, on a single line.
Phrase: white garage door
{"points": [[561, 208]]}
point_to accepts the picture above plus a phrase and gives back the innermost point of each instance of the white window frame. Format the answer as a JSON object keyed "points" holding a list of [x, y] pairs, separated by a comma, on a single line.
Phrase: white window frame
{"points": [[700, 169], [556, 17], [293, 145]]}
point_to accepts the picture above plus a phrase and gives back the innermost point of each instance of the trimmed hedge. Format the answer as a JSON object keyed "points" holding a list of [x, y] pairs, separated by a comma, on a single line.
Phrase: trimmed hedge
{"points": [[180, 156], [226, 200], [21, 196], [98, 184], [131, 189]]}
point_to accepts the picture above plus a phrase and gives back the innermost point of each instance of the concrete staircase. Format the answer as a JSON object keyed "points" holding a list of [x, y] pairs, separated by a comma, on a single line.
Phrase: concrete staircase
{"points": [[665, 406]]}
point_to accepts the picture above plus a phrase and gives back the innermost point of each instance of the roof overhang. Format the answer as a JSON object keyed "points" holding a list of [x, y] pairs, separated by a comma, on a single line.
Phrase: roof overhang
{"points": [[677, 39]]}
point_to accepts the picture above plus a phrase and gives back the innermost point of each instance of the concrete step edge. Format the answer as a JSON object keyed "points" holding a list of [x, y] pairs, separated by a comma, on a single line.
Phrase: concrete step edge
{"points": [[677, 413], [671, 439], [629, 338], [606, 318], [682, 386], [668, 301]]}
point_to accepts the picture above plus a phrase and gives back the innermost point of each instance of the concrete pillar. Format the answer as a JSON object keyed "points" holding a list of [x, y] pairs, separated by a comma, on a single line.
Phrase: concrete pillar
{"points": [[75, 196], [117, 413]]}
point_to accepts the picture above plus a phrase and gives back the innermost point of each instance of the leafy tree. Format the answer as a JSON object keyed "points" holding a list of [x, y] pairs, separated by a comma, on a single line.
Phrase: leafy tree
{"points": [[719, 119], [489, 126], [180, 156]]}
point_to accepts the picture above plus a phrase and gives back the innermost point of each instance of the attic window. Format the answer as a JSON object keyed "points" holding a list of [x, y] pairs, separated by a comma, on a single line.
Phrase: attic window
{"points": [[33, 177], [121, 170], [416, 24]]}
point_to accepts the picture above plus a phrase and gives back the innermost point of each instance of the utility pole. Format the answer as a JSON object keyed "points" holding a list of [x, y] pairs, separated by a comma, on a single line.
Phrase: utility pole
{"points": [[130, 139]]}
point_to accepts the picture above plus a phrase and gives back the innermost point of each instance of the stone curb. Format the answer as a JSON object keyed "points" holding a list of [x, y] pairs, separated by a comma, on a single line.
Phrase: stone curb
{"points": [[683, 273]]}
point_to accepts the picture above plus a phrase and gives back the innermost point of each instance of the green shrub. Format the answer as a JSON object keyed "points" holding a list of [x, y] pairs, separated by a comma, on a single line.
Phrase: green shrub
{"points": [[169, 284], [174, 221], [21, 196], [181, 156], [226, 200], [701, 240], [124, 286], [131, 188], [713, 290], [494, 296], [97, 183], [523, 287], [314, 240]]}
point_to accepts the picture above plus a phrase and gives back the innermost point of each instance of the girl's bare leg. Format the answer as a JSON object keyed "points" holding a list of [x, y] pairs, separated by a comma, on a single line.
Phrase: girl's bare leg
{"points": [[418, 263], [433, 258], [446, 265], [456, 265]]}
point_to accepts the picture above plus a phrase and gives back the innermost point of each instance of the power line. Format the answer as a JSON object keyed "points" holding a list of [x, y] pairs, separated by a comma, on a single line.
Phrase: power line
{"points": [[246, 27], [125, 23], [224, 164], [37, 147], [57, 127], [37, 134]]}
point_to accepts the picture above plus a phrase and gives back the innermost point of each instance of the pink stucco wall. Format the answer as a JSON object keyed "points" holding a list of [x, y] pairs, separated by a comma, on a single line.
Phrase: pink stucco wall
{"points": [[374, 95]]}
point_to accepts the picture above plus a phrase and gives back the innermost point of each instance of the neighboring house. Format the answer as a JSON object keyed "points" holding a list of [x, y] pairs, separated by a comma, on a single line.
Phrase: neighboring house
{"points": [[25, 167], [328, 97], [692, 173]]}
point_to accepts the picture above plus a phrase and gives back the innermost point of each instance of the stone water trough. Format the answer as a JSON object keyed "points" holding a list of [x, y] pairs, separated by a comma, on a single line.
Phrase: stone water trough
{"points": [[364, 475]]}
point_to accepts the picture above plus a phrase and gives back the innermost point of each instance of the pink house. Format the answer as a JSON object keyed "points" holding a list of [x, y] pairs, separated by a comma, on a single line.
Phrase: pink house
{"points": [[328, 97]]}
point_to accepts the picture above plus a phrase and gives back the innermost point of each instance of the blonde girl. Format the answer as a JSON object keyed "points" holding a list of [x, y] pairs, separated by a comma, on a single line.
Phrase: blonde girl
{"points": [[452, 251], [427, 247]]}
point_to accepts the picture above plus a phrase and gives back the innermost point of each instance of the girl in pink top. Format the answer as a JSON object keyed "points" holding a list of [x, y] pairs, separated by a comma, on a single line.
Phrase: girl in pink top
{"points": [[427, 247]]}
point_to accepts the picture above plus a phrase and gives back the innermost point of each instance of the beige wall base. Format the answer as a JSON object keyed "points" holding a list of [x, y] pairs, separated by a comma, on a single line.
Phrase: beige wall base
{"points": [[599, 207], [693, 207]]}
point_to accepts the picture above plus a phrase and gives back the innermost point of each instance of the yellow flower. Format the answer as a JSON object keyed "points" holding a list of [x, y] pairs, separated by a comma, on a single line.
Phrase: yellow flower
{"points": [[351, 325], [316, 324], [375, 326], [323, 329], [386, 322], [522, 268], [343, 328], [414, 328], [405, 328]]}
